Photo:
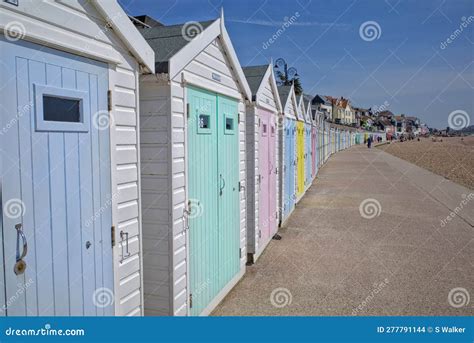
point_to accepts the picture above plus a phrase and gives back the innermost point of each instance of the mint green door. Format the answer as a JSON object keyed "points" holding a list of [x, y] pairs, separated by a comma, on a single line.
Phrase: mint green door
{"points": [[213, 176], [228, 203]]}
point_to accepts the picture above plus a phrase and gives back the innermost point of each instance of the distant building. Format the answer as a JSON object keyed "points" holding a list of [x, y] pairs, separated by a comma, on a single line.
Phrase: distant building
{"points": [[323, 103], [348, 115], [400, 125], [358, 113]]}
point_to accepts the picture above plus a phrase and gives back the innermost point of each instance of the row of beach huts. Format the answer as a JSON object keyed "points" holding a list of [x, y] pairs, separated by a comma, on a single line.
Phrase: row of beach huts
{"points": [[142, 166]]}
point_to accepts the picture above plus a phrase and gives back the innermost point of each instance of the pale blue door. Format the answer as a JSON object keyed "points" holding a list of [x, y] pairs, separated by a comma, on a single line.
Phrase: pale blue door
{"points": [[56, 188]]}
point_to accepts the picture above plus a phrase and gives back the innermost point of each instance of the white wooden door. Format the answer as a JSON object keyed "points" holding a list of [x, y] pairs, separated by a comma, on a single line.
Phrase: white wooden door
{"points": [[55, 182]]}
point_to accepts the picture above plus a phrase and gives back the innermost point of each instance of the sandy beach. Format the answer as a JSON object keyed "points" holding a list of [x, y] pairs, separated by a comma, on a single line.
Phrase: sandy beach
{"points": [[451, 157]]}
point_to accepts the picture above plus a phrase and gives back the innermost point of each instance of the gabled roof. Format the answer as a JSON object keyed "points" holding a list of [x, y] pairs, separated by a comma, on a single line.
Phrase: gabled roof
{"points": [[125, 30], [324, 99], [257, 77], [166, 41], [287, 93], [284, 92], [309, 107], [301, 109], [176, 45], [254, 76]]}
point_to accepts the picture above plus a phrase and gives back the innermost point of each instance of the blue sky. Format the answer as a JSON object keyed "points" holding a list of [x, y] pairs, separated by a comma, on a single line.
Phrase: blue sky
{"points": [[405, 68]]}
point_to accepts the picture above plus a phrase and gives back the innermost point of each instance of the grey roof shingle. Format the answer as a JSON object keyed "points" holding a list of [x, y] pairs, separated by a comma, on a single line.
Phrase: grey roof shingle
{"points": [[254, 76], [284, 92], [166, 41]]}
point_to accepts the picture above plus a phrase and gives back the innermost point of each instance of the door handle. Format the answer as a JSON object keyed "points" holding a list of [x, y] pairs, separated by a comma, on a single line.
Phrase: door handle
{"points": [[222, 182], [20, 234], [20, 265], [127, 252]]}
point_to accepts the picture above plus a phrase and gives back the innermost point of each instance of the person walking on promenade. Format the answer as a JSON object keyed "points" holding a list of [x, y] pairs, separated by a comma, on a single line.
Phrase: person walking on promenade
{"points": [[369, 142]]}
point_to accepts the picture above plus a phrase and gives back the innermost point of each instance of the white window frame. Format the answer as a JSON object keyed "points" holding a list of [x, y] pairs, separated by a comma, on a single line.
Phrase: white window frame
{"points": [[64, 93]]}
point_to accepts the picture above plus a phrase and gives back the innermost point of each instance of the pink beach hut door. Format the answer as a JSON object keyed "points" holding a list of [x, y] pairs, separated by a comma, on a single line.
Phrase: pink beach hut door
{"points": [[272, 184], [264, 177]]}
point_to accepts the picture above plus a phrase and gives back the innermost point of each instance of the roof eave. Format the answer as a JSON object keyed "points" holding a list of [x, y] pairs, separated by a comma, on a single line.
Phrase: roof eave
{"points": [[127, 32]]}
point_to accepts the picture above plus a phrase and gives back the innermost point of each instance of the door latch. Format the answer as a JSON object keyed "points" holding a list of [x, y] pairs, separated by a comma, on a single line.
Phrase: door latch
{"points": [[127, 252], [20, 264]]}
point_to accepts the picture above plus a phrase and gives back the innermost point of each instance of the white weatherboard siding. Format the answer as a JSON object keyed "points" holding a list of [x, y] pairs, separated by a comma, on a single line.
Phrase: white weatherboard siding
{"points": [[78, 27], [164, 175], [216, 62], [289, 111], [252, 178], [266, 101], [156, 150]]}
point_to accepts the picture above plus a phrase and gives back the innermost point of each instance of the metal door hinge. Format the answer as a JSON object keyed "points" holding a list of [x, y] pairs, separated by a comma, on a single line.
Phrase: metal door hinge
{"points": [[187, 109], [259, 233], [239, 117], [240, 253], [190, 300], [109, 100], [112, 233], [259, 122]]}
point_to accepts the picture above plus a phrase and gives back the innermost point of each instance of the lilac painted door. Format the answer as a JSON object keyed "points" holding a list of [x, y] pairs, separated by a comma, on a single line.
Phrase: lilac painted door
{"points": [[273, 176], [267, 176]]}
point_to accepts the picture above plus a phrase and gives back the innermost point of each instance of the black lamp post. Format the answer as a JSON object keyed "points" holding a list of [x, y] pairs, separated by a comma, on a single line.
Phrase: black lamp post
{"points": [[290, 73]]}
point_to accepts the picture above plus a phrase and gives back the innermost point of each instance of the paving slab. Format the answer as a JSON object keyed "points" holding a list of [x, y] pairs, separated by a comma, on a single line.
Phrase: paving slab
{"points": [[370, 237]]}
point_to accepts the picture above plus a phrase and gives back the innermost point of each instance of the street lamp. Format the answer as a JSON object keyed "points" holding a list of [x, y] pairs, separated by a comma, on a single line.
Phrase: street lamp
{"points": [[290, 73]]}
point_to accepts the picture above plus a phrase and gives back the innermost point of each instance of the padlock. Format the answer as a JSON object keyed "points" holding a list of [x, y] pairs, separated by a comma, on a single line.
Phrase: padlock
{"points": [[20, 267]]}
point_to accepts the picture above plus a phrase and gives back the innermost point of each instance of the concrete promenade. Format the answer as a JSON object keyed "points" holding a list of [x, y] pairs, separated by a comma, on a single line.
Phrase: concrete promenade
{"points": [[370, 237]]}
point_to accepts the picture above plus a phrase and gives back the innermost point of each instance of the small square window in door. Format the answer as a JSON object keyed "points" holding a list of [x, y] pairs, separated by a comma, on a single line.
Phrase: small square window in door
{"points": [[61, 109], [204, 124], [229, 125]]}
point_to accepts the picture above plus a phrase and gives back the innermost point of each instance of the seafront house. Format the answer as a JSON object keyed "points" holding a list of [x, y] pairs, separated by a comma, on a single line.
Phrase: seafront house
{"points": [[358, 113], [348, 113], [400, 124], [337, 111], [323, 103]]}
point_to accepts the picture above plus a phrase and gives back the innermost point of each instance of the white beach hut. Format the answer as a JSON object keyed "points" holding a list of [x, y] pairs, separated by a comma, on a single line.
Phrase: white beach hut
{"points": [[287, 152], [70, 182], [262, 158], [193, 167]]}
